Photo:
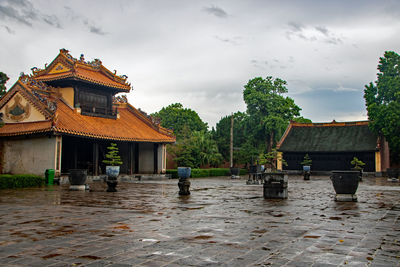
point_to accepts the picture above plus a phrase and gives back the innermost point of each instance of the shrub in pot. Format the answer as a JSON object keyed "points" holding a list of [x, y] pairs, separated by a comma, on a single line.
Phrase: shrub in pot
{"points": [[270, 159], [358, 166], [113, 161], [306, 167]]}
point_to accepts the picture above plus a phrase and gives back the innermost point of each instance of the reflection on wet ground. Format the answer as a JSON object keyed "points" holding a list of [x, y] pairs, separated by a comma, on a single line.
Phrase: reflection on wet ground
{"points": [[223, 222]]}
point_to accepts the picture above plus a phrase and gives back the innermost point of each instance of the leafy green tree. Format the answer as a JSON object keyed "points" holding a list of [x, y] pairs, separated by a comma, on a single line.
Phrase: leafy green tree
{"points": [[222, 134], [301, 120], [248, 153], [3, 80], [180, 120], [198, 149], [382, 99], [269, 111]]}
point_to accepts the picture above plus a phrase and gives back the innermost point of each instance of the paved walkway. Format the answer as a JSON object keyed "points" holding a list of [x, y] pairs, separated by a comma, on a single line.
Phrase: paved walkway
{"points": [[222, 223]]}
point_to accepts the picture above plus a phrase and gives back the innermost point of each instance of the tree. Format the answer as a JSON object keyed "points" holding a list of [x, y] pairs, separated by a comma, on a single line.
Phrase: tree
{"points": [[180, 120], [269, 111], [383, 102], [222, 134], [302, 120], [3, 80], [198, 149]]}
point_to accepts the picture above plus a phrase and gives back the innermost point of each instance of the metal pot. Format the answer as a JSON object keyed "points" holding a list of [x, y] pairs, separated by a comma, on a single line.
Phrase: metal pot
{"points": [[77, 176], [345, 182]]}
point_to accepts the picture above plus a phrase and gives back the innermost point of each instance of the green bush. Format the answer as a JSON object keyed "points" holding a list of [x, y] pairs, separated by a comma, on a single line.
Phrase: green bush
{"points": [[173, 173], [196, 173], [219, 172], [20, 181], [243, 172], [200, 173]]}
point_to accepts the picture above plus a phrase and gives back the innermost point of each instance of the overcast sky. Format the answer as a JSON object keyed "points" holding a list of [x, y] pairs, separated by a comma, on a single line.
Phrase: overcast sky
{"points": [[201, 53]]}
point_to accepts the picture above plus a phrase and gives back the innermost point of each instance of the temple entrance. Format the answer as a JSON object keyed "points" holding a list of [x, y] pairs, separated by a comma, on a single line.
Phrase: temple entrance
{"points": [[85, 153], [329, 161]]}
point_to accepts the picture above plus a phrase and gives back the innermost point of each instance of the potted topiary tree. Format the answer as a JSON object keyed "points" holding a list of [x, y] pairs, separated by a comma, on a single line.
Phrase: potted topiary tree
{"points": [[113, 161], [275, 182], [358, 166], [306, 167]]}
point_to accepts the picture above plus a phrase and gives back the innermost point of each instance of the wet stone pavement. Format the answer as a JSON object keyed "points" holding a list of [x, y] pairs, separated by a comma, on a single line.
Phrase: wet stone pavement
{"points": [[223, 222]]}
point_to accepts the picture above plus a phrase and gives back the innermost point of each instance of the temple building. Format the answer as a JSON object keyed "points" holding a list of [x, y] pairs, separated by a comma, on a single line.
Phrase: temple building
{"points": [[332, 146], [64, 116]]}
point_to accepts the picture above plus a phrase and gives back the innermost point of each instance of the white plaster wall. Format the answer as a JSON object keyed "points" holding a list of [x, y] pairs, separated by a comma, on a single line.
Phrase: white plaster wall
{"points": [[146, 158], [29, 156]]}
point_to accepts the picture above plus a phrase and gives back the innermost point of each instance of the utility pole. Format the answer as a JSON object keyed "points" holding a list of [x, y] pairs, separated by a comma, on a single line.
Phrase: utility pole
{"points": [[231, 144]]}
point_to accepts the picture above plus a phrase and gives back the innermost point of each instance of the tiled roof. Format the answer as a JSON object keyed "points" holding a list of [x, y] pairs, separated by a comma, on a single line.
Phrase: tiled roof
{"points": [[129, 127], [328, 137], [93, 72], [23, 128]]}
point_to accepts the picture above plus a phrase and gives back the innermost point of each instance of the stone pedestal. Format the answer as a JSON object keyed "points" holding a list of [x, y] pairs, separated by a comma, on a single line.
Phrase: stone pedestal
{"points": [[252, 181], [112, 184], [275, 185], [306, 175], [77, 187], [184, 185], [346, 197]]}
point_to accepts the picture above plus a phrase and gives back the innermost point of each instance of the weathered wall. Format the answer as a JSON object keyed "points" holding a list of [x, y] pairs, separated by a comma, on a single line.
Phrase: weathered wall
{"points": [[146, 157], [29, 156]]}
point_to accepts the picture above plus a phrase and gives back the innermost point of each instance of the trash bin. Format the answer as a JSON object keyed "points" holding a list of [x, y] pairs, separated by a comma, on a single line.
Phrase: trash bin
{"points": [[49, 174]]}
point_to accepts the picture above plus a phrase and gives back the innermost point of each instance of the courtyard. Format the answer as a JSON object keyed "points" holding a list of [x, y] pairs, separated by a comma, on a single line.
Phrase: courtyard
{"points": [[224, 222]]}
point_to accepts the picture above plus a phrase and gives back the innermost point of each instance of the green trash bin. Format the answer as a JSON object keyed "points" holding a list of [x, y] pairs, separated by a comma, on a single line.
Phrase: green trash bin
{"points": [[49, 174]]}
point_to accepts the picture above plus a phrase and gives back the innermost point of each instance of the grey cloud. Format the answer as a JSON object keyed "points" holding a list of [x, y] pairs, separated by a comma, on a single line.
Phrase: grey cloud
{"points": [[330, 36], [216, 11], [258, 64], [92, 28], [52, 21], [23, 11], [298, 30], [233, 41], [71, 14], [96, 30], [8, 29], [295, 26], [333, 40], [11, 13], [322, 30]]}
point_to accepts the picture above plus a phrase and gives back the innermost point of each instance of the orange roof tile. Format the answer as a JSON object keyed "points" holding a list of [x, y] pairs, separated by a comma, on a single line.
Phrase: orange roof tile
{"points": [[11, 129], [129, 127], [87, 71], [87, 75]]}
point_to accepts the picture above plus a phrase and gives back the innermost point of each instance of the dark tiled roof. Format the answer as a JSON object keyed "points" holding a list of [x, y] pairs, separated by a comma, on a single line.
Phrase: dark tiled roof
{"points": [[328, 137]]}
